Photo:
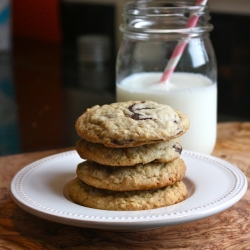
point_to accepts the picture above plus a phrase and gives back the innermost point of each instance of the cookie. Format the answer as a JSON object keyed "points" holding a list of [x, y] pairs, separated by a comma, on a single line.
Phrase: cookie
{"points": [[88, 196], [138, 177], [130, 124], [161, 151]]}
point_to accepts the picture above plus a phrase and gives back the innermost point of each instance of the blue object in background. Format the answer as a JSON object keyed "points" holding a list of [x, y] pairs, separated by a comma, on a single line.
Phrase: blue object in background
{"points": [[9, 132], [5, 14], [5, 25]]}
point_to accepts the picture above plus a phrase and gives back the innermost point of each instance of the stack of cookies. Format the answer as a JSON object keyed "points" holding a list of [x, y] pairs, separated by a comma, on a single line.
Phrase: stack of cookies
{"points": [[132, 157]]}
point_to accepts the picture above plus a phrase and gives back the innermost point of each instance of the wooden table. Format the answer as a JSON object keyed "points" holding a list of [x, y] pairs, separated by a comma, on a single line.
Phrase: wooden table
{"points": [[227, 230]]}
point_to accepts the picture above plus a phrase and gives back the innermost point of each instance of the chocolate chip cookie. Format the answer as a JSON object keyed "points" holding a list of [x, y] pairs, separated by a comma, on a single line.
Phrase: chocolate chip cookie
{"points": [[88, 196], [162, 151], [130, 124], [138, 177]]}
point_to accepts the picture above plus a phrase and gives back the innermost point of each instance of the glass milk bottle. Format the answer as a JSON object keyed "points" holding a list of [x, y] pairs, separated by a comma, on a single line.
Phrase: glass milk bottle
{"points": [[152, 30]]}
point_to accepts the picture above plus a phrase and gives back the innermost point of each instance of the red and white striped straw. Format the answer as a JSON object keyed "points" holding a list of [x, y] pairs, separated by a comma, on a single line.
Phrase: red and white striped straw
{"points": [[178, 51]]}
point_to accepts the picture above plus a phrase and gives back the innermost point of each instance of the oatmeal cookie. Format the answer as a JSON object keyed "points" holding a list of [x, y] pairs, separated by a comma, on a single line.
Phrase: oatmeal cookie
{"points": [[162, 151], [138, 177], [88, 196], [132, 123]]}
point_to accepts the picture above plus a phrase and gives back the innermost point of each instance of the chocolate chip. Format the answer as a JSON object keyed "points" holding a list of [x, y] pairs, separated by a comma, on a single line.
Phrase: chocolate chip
{"points": [[137, 116], [131, 108], [178, 148], [122, 142]]}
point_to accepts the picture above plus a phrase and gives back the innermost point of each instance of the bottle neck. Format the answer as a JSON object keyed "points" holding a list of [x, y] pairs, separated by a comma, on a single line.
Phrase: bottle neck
{"points": [[164, 17]]}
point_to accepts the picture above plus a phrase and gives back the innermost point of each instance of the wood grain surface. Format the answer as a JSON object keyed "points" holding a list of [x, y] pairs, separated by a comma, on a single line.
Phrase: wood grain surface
{"points": [[227, 230]]}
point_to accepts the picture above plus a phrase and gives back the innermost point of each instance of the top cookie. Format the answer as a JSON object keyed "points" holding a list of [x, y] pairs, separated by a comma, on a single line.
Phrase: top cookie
{"points": [[132, 123]]}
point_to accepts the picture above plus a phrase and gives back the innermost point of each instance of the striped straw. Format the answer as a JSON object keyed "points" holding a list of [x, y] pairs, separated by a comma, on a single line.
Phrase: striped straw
{"points": [[178, 51]]}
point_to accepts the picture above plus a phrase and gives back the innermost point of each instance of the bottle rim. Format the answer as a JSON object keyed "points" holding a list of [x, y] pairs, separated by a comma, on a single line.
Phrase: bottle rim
{"points": [[164, 17], [159, 7]]}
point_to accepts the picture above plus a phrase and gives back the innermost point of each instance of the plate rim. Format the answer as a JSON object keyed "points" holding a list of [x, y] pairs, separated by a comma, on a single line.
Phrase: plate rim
{"points": [[149, 221]]}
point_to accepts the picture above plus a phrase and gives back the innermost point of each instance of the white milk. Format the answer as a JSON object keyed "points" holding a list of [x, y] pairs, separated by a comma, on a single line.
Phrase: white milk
{"points": [[193, 94]]}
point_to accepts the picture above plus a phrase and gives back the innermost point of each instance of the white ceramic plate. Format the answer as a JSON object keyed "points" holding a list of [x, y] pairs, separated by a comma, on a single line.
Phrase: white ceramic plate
{"points": [[213, 186]]}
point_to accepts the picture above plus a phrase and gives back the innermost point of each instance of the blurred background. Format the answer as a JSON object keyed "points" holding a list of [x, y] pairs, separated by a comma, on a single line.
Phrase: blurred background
{"points": [[57, 58]]}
